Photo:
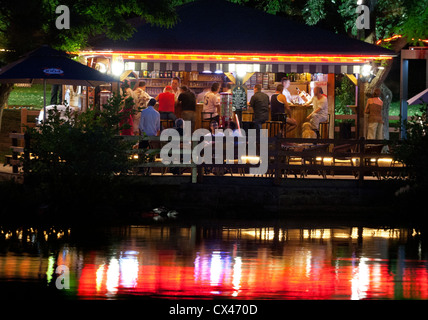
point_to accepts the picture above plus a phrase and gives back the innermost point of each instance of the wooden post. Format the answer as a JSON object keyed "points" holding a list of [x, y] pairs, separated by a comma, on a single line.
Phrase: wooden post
{"points": [[360, 126], [14, 154], [361, 164], [404, 88], [24, 115], [331, 103], [277, 178], [26, 152]]}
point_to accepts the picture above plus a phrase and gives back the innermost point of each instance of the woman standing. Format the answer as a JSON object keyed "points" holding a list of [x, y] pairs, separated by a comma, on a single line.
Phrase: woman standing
{"points": [[374, 110]]}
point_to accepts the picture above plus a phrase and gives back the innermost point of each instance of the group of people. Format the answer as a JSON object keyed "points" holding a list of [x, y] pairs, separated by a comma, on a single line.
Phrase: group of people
{"points": [[147, 120], [280, 108]]}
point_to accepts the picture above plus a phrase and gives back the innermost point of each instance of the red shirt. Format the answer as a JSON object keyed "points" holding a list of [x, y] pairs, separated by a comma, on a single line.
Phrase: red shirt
{"points": [[166, 102]]}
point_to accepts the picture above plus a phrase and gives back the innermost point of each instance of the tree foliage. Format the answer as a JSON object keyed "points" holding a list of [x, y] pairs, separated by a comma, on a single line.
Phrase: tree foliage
{"points": [[27, 24], [388, 17], [79, 154], [413, 150], [345, 95]]}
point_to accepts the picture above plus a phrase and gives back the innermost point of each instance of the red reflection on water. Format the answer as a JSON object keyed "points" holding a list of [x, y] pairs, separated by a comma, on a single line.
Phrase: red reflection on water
{"points": [[221, 275], [253, 270]]}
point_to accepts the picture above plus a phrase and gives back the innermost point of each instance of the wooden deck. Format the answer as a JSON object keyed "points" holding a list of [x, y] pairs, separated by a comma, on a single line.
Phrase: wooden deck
{"points": [[287, 158]]}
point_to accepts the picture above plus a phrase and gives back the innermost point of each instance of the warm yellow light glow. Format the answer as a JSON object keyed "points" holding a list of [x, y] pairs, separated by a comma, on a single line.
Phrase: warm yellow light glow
{"points": [[250, 159], [241, 57], [385, 162], [366, 70], [316, 234]]}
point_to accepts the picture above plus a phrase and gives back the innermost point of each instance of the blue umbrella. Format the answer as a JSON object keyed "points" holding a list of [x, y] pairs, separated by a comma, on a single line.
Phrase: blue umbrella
{"points": [[49, 66]]}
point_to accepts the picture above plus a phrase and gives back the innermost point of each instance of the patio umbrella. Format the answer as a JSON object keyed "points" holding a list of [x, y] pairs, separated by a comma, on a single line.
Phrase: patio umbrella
{"points": [[420, 98], [49, 66]]}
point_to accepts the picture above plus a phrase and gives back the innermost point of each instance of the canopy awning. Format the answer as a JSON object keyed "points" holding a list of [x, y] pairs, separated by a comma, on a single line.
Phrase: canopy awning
{"points": [[215, 35]]}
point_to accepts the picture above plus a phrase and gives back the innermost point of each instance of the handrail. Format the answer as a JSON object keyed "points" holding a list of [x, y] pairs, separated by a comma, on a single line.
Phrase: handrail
{"points": [[321, 148]]}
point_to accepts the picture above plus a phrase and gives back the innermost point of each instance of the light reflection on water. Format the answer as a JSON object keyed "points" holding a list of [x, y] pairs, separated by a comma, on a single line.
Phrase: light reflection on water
{"points": [[244, 263]]}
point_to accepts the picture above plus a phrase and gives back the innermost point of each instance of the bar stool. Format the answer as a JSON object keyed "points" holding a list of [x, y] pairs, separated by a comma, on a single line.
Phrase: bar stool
{"points": [[324, 127], [206, 121], [166, 123], [279, 121]]}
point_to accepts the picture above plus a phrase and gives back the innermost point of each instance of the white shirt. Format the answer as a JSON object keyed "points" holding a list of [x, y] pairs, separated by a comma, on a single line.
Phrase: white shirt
{"points": [[287, 95], [321, 104], [211, 101], [141, 98]]}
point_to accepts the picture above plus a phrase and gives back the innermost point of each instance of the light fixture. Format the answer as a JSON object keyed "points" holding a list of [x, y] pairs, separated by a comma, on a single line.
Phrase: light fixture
{"points": [[366, 70], [367, 73], [241, 70], [117, 68], [101, 67]]}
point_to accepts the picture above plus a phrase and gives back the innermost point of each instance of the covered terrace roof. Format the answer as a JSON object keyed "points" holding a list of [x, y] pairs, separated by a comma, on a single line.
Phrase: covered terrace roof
{"points": [[218, 32]]}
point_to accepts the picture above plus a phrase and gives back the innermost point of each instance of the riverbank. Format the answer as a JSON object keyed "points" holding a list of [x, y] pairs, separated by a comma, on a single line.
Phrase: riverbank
{"points": [[132, 200]]}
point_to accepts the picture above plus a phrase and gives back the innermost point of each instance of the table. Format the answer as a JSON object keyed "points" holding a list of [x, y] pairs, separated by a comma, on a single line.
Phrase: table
{"points": [[299, 113]]}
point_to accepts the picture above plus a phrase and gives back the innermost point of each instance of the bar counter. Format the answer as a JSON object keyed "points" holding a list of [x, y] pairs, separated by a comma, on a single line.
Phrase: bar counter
{"points": [[298, 112]]}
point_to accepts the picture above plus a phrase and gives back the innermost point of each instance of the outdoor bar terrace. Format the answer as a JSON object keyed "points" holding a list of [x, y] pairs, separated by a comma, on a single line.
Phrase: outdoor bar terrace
{"points": [[242, 58]]}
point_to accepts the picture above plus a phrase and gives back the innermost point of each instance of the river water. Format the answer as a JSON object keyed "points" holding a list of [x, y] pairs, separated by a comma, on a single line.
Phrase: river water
{"points": [[228, 261]]}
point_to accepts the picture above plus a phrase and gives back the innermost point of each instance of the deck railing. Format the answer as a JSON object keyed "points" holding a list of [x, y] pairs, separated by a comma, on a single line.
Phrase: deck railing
{"points": [[291, 157], [286, 157]]}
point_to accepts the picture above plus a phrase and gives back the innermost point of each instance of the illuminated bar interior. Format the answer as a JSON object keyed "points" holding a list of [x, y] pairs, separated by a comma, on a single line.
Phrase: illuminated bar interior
{"points": [[199, 71], [271, 48]]}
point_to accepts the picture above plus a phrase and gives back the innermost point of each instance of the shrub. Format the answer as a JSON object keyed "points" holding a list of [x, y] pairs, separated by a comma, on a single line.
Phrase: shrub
{"points": [[413, 150], [74, 160]]}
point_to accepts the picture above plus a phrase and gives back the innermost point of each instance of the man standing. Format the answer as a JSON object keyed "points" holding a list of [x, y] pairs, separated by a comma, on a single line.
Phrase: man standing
{"points": [[175, 87], [320, 107], [260, 104], [149, 122], [167, 104], [212, 103], [187, 102], [140, 102]]}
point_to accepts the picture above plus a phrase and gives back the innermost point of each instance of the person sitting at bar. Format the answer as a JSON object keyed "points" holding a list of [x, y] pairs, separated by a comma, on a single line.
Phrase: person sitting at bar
{"points": [[374, 110], [280, 108], [286, 84], [212, 103], [260, 104], [179, 126], [187, 102], [235, 131], [166, 101], [320, 109], [214, 129], [149, 122]]}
